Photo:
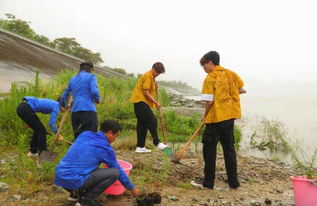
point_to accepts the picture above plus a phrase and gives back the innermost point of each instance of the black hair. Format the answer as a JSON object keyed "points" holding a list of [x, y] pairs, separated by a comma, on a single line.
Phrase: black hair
{"points": [[61, 103], [212, 56], [86, 66], [109, 124], [158, 67]]}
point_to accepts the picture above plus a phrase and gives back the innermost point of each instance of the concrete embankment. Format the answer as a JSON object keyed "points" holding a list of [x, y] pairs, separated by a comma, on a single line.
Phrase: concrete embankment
{"points": [[21, 57]]}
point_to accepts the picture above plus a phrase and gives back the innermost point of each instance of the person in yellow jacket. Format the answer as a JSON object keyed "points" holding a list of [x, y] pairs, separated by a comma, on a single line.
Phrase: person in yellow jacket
{"points": [[221, 90], [143, 99]]}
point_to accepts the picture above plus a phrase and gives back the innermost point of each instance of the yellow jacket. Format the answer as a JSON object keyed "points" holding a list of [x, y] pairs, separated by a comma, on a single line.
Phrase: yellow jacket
{"points": [[222, 87], [146, 81]]}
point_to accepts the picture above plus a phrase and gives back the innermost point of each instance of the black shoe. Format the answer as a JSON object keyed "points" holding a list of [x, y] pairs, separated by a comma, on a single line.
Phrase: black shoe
{"points": [[235, 186], [88, 202]]}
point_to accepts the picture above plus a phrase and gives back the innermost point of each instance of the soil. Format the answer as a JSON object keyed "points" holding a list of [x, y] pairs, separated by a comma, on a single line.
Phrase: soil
{"points": [[263, 182]]}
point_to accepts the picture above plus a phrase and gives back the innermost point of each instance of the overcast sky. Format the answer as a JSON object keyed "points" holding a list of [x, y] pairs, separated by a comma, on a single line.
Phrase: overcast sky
{"points": [[268, 42]]}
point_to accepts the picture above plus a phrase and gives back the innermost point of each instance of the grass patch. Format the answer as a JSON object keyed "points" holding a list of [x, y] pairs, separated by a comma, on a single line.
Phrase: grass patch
{"points": [[20, 171]]}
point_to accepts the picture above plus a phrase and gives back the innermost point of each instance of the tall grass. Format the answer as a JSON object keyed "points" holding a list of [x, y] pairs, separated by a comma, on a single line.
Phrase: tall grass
{"points": [[115, 95]]}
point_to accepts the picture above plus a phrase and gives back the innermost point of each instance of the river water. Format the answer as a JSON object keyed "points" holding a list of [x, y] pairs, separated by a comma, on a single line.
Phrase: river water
{"points": [[298, 115]]}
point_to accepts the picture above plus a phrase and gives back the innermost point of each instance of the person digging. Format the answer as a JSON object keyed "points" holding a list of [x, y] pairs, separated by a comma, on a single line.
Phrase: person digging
{"points": [[79, 173], [27, 110], [221, 89], [84, 89], [143, 100]]}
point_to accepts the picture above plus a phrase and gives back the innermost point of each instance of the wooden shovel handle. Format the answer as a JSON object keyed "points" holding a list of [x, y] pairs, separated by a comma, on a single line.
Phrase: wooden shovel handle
{"points": [[194, 135], [180, 154], [70, 101], [162, 126], [161, 118]]}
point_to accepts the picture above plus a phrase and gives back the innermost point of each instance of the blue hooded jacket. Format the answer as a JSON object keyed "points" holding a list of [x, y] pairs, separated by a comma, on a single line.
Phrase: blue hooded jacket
{"points": [[45, 106], [84, 156], [84, 89]]}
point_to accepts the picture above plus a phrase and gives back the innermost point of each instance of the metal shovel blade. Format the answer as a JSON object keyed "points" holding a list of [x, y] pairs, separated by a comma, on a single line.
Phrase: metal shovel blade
{"points": [[46, 156]]}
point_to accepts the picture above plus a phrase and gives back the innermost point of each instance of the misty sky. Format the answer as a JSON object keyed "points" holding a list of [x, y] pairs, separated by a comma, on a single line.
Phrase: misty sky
{"points": [[271, 44]]}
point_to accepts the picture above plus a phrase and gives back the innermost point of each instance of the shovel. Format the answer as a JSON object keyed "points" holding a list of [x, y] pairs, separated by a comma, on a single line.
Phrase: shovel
{"points": [[50, 156], [167, 150], [181, 153]]}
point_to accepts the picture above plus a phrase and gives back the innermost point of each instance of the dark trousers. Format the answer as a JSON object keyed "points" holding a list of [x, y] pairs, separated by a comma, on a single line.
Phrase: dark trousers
{"points": [[38, 141], [214, 132], [145, 121], [84, 121], [99, 180]]}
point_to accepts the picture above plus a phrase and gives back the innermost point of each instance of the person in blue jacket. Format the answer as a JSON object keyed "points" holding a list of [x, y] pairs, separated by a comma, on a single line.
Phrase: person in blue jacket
{"points": [[79, 173], [84, 89], [27, 110]]}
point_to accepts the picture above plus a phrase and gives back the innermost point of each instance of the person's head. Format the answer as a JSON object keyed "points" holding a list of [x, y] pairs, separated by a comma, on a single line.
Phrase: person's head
{"points": [[87, 66], [209, 61], [158, 68], [111, 129]]}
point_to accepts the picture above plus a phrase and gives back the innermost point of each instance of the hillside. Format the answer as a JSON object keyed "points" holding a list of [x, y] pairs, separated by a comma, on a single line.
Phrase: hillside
{"points": [[20, 58]]}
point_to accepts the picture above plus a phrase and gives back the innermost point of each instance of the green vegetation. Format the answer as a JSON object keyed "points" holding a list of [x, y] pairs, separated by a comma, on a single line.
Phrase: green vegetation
{"points": [[179, 128], [115, 104], [67, 45], [148, 178], [305, 164], [272, 136]]}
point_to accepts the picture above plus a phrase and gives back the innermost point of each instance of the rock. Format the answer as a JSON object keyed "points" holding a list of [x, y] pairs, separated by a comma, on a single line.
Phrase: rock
{"points": [[242, 199], [172, 197], [221, 188], [190, 105], [279, 190], [30, 200], [194, 199], [267, 201], [255, 203], [253, 195], [42, 197], [16, 197], [244, 180], [3, 186]]}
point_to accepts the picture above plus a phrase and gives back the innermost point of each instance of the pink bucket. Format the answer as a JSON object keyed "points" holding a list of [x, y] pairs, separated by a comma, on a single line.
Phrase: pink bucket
{"points": [[305, 191], [117, 188]]}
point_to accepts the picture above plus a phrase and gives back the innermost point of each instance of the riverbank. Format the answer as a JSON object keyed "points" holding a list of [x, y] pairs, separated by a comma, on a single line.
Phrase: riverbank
{"points": [[263, 182]]}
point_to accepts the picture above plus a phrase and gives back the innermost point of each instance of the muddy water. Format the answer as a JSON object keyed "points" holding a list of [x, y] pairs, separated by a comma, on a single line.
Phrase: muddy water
{"points": [[297, 114]]}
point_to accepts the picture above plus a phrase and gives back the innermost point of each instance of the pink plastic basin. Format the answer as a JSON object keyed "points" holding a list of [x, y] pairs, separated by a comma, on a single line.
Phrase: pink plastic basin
{"points": [[117, 188], [305, 191]]}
